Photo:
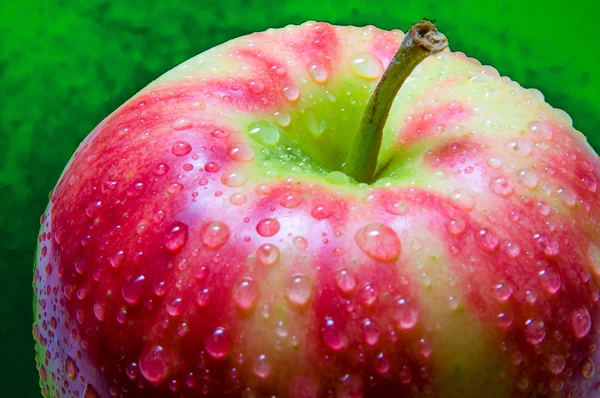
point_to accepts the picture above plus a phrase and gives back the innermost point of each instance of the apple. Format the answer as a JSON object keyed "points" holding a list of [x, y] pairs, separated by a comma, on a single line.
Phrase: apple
{"points": [[324, 211]]}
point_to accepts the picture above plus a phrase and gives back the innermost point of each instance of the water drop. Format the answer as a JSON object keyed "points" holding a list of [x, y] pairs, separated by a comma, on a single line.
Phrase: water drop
{"points": [[338, 178], [370, 332], [317, 72], [70, 368], [556, 364], [321, 212], [581, 322], [290, 200], [176, 237], [267, 227], [245, 294], [99, 311], [218, 343], [504, 291], [154, 364], [519, 146], [182, 124], [528, 178], [238, 199], [175, 307], [181, 148], [367, 295], [501, 186], [212, 167], [405, 314], [333, 336], [396, 207], [299, 289], [90, 392], [132, 289], [261, 367], [350, 386], [568, 197], [264, 133], [291, 93], [550, 280], [234, 178], [588, 369], [366, 66], [267, 254], [301, 243], [462, 199], [241, 152], [345, 280], [379, 242], [383, 364], [282, 118], [487, 240], [540, 129], [256, 87], [456, 226], [214, 234], [535, 331]]}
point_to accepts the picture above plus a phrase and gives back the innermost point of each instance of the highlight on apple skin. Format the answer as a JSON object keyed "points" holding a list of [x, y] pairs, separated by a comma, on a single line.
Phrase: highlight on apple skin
{"points": [[219, 234]]}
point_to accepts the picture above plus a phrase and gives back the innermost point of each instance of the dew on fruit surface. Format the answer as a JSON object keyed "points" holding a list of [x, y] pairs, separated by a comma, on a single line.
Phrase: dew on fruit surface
{"points": [[396, 207], [218, 343], [241, 152], [256, 87], [321, 212], [90, 392], [495, 162], [487, 240], [133, 289], [504, 291], [588, 369], [366, 65], [261, 367], [238, 199], [298, 289], [456, 226], [528, 178], [547, 245], [405, 375], [154, 364], [350, 386], [462, 199], [556, 364], [203, 298], [300, 242], [290, 200], [291, 93], [264, 133], [175, 306], [594, 258], [405, 313], [268, 227], [175, 237], [519, 146], [505, 319], [540, 129], [181, 148], [318, 73], [382, 364], [535, 331], [99, 311], [182, 124], [267, 254], [550, 280], [345, 280], [132, 370], [425, 348], [70, 368], [334, 336], [501, 186], [581, 322], [379, 242], [370, 332], [568, 197], [234, 178], [490, 123], [338, 178], [282, 118], [315, 126], [245, 294], [214, 234]]}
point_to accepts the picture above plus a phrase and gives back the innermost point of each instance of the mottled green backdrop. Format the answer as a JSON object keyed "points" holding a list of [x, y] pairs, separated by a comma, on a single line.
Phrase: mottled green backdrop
{"points": [[64, 65]]}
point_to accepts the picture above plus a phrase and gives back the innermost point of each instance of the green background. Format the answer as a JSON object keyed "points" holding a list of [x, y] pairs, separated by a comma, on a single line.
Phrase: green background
{"points": [[65, 65]]}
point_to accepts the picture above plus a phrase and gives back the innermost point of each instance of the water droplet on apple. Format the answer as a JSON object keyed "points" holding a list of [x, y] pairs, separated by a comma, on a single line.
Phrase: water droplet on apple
{"points": [[370, 332], [267, 254], [290, 200], [350, 386], [338, 178], [456, 226], [90, 392], [300, 242], [214, 234], [405, 314], [181, 148], [550, 280], [298, 289], [556, 364], [317, 72], [282, 118], [581, 322], [212, 167], [132, 289], [70, 368], [540, 129], [425, 348], [267, 227], [519, 146], [396, 207], [321, 212], [588, 369], [182, 124], [176, 237], [234, 178], [568, 197], [245, 294], [379, 242], [366, 66], [203, 298], [241, 152], [367, 295], [504, 291], [291, 93], [154, 364], [345, 280], [487, 240], [462, 199], [382, 364], [238, 199], [535, 331], [333, 336], [256, 87], [175, 306], [99, 311], [528, 178], [501, 186], [218, 343], [264, 133], [261, 367]]}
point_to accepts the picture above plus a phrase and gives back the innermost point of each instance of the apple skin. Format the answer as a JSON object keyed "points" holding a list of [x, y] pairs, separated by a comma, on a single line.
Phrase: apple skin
{"points": [[200, 242]]}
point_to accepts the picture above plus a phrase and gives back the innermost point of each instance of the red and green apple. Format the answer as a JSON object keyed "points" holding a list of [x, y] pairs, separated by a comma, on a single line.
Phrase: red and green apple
{"points": [[324, 211]]}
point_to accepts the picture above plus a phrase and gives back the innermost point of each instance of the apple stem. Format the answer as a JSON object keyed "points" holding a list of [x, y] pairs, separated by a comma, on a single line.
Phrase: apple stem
{"points": [[422, 40]]}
